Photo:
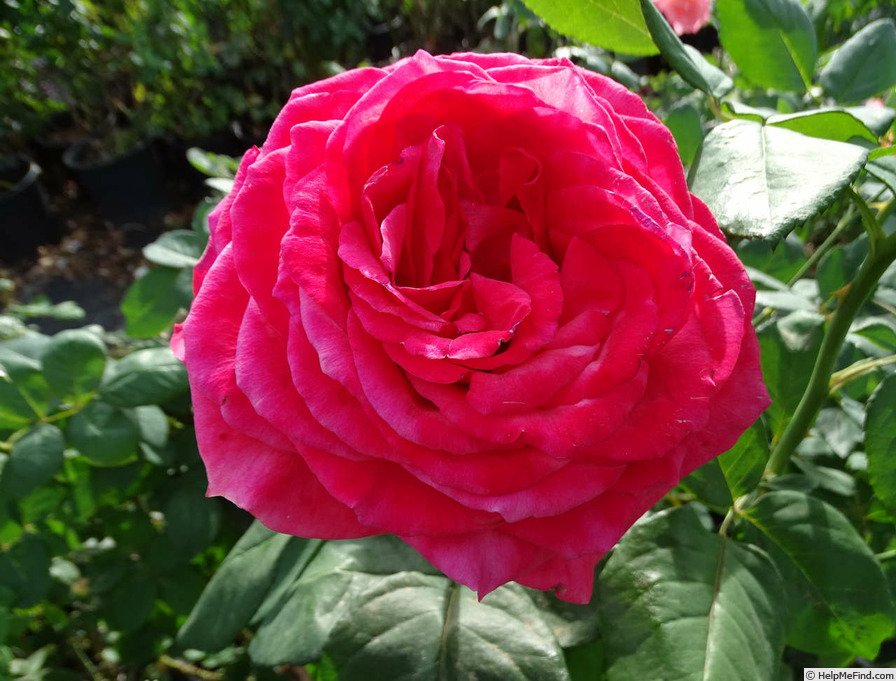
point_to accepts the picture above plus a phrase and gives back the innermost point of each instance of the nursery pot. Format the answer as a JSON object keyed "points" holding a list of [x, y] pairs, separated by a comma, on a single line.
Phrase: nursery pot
{"points": [[127, 188], [25, 219]]}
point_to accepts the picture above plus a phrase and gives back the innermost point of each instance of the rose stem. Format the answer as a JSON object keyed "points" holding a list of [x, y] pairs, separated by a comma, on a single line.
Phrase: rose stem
{"points": [[818, 389]]}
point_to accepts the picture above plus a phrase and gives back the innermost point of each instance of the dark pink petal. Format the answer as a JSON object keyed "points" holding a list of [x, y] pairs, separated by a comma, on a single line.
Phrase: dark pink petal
{"points": [[267, 481]]}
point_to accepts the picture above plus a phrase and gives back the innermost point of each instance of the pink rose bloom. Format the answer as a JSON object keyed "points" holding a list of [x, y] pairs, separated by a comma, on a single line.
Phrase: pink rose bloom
{"points": [[469, 301], [685, 16]]}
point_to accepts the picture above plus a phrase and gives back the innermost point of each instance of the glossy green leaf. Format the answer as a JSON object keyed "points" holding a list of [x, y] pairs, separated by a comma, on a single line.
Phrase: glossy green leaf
{"points": [[684, 123], [691, 603], [33, 461], [103, 435], [73, 364], [788, 350], [378, 611], [771, 41], [149, 376], [153, 300], [763, 180], [177, 248], [616, 25], [832, 124], [24, 393], [838, 596], [880, 443], [688, 62], [413, 625], [238, 587], [863, 66], [743, 464]]}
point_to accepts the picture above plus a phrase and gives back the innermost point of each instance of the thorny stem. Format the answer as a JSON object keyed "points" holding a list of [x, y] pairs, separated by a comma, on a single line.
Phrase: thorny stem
{"points": [[855, 295]]}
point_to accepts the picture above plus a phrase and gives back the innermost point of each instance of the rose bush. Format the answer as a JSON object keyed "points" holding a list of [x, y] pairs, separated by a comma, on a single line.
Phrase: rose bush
{"points": [[467, 300]]}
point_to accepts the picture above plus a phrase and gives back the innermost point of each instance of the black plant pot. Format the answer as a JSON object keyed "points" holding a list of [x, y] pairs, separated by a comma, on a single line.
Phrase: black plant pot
{"points": [[127, 188], [25, 218]]}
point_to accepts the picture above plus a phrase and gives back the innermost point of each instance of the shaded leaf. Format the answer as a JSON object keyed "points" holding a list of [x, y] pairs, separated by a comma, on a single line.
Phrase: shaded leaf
{"points": [[838, 595], [73, 365], [24, 393], [688, 62], [33, 461], [153, 300], [743, 464], [684, 123], [788, 350], [880, 443], [103, 435], [863, 66]]}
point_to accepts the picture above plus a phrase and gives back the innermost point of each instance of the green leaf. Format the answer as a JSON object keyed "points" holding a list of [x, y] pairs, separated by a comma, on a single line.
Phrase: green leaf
{"points": [[314, 591], [694, 604], [378, 610], [841, 427], [24, 393], [413, 625], [762, 181], [788, 350], [191, 519], [771, 41], [73, 365], [839, 266], [177, 248], [880, 443], [863, 66], [688, 62], [877, 118], [149, 376], [238, 588], [128, 604], [838, 595], [103, 435], [884, 169], [25, 569], [708, 484], [832, 124], [684, 123], [33, 461], [616, 25], [213, 165], [153, 300], [781, 260], [743, 464]]}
